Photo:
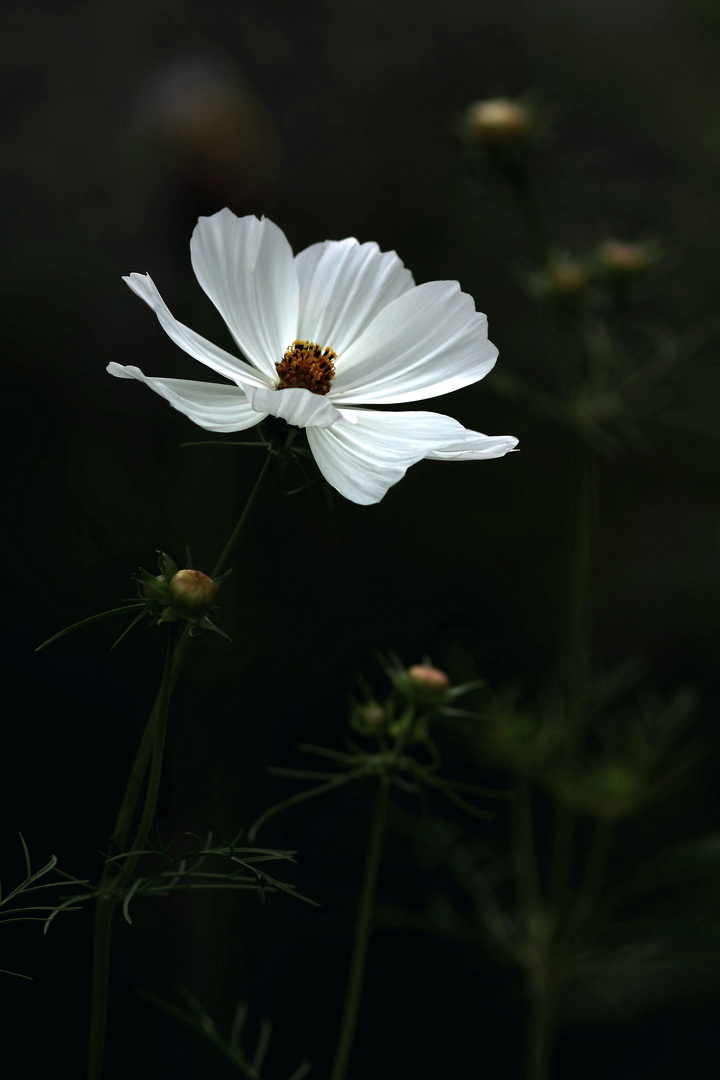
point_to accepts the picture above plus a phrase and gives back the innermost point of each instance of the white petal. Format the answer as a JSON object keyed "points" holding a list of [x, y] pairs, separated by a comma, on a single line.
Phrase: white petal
{"points": [[198, 347], [475, 447], [213, 406], [364, 458], [246, 267], [427, 342], [301, 408], [343, 286]]}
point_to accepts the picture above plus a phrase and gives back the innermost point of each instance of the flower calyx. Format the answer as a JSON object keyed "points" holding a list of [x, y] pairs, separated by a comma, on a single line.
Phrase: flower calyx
{"points": [[175, 594]]}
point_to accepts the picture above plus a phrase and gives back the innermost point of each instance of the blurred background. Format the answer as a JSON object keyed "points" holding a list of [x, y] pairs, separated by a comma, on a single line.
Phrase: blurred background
{"points": [[123, 124]]}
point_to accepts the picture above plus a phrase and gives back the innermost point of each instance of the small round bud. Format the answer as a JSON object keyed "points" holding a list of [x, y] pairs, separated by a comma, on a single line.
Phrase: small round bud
{"points": [[624, 260], [373, 715], [191, 592], [428, 680], [566, 277], [368, 718], [497, 122]]}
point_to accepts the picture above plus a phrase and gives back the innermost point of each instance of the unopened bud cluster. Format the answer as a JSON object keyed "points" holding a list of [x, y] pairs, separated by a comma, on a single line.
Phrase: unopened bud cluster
{"points": [[613, 264], [418, 693], [175, 594]]}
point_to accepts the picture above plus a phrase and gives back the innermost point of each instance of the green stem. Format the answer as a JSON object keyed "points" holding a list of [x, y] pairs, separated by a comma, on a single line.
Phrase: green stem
{"points": [[531, 211], [252, 498], [140, 764], [541, 1029], [577, 617], [104, 909], [560, 859], [590, 888], [150, 750], [525, 854], [363, 922], [112, 884], [538, 930], [158, 747]]}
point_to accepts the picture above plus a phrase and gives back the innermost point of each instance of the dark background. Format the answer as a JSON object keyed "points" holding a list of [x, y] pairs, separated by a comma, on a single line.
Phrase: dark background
{"points": [[123, 124]]}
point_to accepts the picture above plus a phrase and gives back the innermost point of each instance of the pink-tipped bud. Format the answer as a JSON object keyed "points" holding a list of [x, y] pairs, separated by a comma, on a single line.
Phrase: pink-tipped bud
{"points": [[191, 592], [428, 680], [497, 122], [624, 260]]}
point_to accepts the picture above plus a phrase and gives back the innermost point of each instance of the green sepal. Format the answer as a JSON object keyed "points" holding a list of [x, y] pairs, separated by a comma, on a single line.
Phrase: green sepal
{"points": [[219, 580], [167, 566], [168, 615], [152, 588], [403, 723], [205, 623]]}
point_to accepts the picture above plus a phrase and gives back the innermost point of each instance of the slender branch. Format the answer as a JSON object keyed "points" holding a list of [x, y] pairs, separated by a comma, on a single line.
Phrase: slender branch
{"points": [[525, 853], [577, 616], [590, 888], [153, 788], [100, 980], [541, 1030], [112, 884], [363, 922], [232, 542], [150, 750]]}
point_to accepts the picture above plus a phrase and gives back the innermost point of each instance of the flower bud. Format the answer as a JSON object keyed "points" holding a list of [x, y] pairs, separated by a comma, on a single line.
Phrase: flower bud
{"points": [[497, 122], [191, 592], [623, 260], [368, 718], [428, 680], [566, 277]]}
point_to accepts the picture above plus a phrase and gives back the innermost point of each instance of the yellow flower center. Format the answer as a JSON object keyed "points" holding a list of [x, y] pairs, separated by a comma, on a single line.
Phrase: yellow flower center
{"points": [[306, 366]]}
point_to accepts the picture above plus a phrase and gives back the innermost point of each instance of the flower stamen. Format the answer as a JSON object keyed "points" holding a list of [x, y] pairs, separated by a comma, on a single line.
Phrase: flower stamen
{"points": [[306, 366]]}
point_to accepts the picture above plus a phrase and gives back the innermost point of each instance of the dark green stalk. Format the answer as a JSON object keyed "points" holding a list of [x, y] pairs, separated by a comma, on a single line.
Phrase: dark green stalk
{"points": [[577, 616], [529, 206], [590, 887], [232, 542], [112, 884], [541, 1031], [525, 854], [363, 923], [537, 936], [104, 910], [150, 750]]}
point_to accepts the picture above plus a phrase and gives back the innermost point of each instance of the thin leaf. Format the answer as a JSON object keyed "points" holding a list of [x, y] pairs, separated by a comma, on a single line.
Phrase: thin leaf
{"points": [[128, 897], [238, 1024], [127, 630], [302, 1071], [91, 619], [27, 856], [262, 1044], [302, 796]]}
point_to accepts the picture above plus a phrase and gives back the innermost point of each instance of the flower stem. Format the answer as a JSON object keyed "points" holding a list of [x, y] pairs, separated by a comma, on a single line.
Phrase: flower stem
{"points": [[541, 1029], [150, 750], [242, 520], [538, 931], [577, 617], [363, 923], [113, 882], [104, 909]]}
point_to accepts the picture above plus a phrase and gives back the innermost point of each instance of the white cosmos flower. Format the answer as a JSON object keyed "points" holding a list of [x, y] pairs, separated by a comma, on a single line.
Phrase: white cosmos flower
{"points": [[339, 325]]}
